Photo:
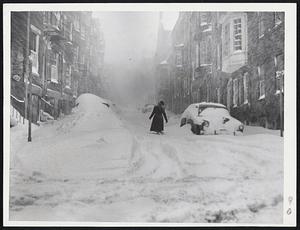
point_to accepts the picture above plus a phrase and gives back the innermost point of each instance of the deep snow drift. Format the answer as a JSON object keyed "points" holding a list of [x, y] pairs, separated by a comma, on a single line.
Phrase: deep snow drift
{"points": [[102, 164]]}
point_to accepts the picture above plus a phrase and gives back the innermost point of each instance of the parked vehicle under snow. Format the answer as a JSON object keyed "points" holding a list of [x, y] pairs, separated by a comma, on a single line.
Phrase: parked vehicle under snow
{"points": [[210, 118]]}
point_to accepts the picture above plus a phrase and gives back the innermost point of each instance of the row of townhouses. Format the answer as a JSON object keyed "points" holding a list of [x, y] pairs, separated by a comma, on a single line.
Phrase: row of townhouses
{"points": [[233, 58], [62, 52]]}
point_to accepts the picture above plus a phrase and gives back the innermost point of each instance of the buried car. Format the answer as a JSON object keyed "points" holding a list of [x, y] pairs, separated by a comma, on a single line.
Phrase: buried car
{"points": [[210, 118]]}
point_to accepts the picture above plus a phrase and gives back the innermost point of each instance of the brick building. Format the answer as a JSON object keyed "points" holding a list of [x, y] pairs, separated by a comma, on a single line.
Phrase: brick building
{"points": [[233, 58], [59, 53], [256, 86], [180, 63]]}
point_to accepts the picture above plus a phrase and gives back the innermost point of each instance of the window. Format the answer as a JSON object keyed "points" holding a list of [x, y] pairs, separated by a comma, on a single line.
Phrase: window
{"points": [[33, 42], [261, 71], [68, 30], [227, 39], [194, 97], [218, 95], [179, 57], [278, 18], [207, 93], [261, 83], [203, 18], [76, 24], [54, 59], [54, 19], [279, 66], [75, 88], [279, 62], [235, 92], [197, 55], [261, 26], [229, 87], [205, 52], [34, 48], [68, 76], [83, 31], [193, 71], [186, 88], [279, 78], [246, 86], [219, 56], [261, 89], [237, 39]]}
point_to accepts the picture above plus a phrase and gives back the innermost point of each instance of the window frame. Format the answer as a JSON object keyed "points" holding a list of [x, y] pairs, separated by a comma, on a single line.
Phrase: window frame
{"points": [[235, 92], [261, 75], [207, 92], [35, 53], [197, 55], [238, 34], [229, 93], [206, 52], [219, 56], [262, 92], [68, 76], [179, 57], [246, 87], [279, 73], [226, 40], [218, 91], [55, 80], [203, 18], [277, 22], [261, 26]]}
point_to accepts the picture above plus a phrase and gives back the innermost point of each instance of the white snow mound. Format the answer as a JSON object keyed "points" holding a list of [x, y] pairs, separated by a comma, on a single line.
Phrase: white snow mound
{"points": [[76, 145], [95, 112]]}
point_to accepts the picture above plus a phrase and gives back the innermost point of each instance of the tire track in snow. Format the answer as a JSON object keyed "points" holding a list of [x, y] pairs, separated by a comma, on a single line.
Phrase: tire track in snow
{"points": [[151, 158]]}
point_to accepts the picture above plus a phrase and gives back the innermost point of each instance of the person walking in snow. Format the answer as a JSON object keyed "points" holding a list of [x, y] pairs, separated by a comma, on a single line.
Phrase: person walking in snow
{"points": [[158, 112]]}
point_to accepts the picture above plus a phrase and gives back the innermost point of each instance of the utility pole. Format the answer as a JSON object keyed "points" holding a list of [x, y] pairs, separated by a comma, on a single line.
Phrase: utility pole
{"points": [[62, 82], [27, 64], [30, 100], [281, 103], [28, 80]]}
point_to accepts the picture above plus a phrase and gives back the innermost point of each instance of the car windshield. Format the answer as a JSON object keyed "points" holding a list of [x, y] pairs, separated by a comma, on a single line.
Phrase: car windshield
{"points": [[211, 111]]}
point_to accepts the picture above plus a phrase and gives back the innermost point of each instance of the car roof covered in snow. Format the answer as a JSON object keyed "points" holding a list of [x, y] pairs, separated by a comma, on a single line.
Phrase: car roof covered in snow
{"points": [[209, 104]]}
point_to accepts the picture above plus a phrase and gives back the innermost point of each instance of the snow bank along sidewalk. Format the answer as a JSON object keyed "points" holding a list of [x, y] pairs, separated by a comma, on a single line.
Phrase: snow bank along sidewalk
{"points": [[90, 143]]}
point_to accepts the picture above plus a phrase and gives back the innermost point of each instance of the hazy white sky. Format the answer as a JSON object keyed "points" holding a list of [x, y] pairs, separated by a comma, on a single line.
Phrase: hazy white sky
{"points": [[130, 36]]}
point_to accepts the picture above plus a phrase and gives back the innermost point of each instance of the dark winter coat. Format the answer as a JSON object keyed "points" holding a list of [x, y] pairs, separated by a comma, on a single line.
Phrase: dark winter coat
{"points": [[158, 122]]}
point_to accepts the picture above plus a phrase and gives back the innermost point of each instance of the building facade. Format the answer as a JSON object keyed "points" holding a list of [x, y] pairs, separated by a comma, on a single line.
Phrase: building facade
{"points": [[233, 58], [56, 55]]}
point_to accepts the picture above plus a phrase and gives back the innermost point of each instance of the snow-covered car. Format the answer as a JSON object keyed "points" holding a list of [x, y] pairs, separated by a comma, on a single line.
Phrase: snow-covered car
{"points": [[210, 118], [147, 108]]}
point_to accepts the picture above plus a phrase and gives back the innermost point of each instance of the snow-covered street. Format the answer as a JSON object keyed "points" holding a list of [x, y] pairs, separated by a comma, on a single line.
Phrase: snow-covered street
{"points": [[102, 164]]}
